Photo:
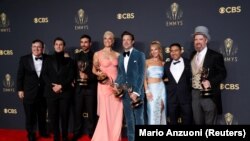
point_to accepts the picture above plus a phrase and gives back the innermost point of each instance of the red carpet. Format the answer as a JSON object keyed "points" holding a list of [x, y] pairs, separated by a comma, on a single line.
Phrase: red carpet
{"points": [[21, 135]]}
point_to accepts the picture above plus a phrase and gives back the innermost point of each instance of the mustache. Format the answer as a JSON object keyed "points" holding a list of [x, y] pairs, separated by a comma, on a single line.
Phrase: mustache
{"points": [[198, 44]]}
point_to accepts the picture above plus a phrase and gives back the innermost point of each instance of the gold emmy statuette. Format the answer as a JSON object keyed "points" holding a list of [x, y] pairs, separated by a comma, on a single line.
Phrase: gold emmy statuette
{"points": [[134, 103], [204, 76], [228, 117], [82, 65], [120, 91]]}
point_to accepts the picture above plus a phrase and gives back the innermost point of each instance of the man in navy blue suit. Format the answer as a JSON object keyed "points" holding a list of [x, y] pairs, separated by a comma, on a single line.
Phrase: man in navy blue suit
{"points": [[131, 72]]}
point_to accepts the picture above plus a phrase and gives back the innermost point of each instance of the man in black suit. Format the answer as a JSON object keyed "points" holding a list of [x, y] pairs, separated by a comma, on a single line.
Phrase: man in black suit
{"points": [[30, 87], [206, 106], [178, 72], [85, 98], [58, 75]]}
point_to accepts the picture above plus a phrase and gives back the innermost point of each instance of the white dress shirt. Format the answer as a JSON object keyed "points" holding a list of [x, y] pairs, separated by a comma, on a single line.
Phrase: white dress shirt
{"points": [[38, 65], [177, 69], [126, 59]]}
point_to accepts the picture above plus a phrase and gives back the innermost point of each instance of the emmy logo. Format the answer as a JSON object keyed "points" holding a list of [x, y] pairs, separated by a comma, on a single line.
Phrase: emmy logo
{"points": [[134, 103], [82, 65], [228, 117], [204, 76], [3, 20]]}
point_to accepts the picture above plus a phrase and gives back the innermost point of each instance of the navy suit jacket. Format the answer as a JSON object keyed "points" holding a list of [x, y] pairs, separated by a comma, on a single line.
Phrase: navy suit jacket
{"points": [[217, 73], [135, 71]]}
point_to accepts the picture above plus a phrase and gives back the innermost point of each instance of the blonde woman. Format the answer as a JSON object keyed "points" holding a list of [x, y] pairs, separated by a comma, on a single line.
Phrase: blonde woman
{"points": [[109, 108], [154, 86]]}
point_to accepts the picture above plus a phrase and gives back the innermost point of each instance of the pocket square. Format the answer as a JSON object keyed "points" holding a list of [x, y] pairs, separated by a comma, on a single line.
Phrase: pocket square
{"points": [[135, 61]]}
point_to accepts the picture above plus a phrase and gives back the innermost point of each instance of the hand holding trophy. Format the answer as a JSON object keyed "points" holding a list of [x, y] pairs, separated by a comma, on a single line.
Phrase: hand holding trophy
{"points": [[135, 101], [82, 65], [206, 91], [101, 76]]}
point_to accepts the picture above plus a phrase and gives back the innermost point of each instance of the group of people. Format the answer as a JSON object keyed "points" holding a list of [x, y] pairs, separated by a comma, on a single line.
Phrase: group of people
{"points": [[162, 89]]}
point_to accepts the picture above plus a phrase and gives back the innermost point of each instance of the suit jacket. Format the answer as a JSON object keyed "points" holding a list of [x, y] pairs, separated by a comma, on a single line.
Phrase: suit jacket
{"points": [[88, 57], [64, 76], [217, 73], [179, 92], [135, 71], [28, 80]]}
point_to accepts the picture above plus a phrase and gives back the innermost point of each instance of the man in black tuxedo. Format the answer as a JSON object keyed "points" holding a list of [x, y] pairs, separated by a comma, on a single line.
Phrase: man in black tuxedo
{"points": [[30, 87], [206, 106], [85, 98], [58, 75], [178, 86]]}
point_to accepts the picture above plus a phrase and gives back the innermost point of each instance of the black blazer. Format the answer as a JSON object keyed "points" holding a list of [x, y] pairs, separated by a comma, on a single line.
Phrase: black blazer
{"points": [[179, 92], [28, 80], [63, 76], [217, 73]]}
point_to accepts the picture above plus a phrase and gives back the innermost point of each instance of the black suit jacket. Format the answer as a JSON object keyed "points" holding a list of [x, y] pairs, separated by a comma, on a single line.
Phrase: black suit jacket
{"points": [[63, 76], [179, 92], [28, 80], [217, 73]]}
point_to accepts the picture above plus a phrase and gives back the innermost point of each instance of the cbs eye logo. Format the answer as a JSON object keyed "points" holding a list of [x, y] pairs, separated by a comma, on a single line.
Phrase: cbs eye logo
{"points": [[41, 20], [230, 86], [6, 52], [9, 111], [125, 16], [230, 10]]}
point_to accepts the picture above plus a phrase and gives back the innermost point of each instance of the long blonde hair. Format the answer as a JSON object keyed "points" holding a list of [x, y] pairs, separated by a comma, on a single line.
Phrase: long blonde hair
{"points": [[158, 46]]}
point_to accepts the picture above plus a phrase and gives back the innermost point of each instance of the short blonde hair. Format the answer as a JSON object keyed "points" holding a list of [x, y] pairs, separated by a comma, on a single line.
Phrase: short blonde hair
{"points": [[157, 44], [106, 33]]}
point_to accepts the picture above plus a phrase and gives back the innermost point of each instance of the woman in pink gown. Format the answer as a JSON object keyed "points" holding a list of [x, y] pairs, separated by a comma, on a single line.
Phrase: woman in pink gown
{"points": [[109, 108]]}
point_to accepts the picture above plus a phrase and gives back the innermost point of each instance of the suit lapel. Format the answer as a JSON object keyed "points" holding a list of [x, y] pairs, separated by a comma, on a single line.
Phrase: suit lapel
{"points": [[171, 75], [31, 62], [122, 63], [131, 59], [54, 64], [206, 59]]}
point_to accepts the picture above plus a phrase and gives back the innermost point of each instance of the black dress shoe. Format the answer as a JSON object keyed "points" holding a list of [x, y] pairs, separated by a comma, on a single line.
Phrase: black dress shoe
{"points": [[31, 137], [45, 135]]}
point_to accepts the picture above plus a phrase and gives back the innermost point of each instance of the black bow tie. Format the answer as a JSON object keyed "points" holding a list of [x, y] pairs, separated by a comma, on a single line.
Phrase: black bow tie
{"points": [[176, 62], [126, 53], [37, 58]]}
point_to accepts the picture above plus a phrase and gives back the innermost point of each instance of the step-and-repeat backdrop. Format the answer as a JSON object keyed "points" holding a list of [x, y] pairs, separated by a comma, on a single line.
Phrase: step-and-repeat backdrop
{"points": [[165, 20]]}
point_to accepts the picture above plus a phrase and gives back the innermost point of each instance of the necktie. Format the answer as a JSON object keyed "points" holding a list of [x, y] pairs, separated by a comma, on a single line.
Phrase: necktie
{"points": [[37, 58], [126, 54], [176, 62], [198, 59]]}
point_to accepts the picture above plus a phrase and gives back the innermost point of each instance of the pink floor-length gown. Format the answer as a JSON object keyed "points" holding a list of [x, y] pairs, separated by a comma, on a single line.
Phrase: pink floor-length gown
{"points": [[109, 108]]}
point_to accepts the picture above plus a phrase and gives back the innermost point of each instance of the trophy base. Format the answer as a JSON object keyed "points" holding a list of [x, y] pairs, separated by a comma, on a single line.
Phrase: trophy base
{"points": [[206, 92], [136, 103], [119, 94], [82, 82]]}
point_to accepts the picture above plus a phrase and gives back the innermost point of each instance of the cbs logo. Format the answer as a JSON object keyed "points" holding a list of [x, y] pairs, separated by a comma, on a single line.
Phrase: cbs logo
{"points": [[125, 16], [229, 86], [41, 20], [10, 111], [230, 9], [6, 52]]}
